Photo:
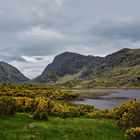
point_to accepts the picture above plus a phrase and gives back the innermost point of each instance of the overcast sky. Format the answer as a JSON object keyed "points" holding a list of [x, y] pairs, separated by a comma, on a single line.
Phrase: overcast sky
{"points": [[32, 32]]}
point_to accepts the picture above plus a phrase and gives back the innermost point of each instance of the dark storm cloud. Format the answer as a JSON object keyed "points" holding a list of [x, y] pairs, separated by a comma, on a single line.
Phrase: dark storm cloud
{"points": [[32, 32], [122, 30]]}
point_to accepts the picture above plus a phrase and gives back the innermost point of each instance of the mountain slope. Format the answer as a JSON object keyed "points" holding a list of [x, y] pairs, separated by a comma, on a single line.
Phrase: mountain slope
{"points": [[63, 64], [75, 70], [9, 73]]}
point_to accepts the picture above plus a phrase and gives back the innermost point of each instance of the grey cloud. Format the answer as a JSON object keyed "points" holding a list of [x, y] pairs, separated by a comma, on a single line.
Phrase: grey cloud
{"points": [[9, 58], [122, 30], [96, 27]]}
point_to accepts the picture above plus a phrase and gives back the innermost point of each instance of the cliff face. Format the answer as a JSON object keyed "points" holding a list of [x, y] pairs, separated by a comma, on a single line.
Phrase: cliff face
{"points": [[64, 64], [73, 67], [9, 73]]}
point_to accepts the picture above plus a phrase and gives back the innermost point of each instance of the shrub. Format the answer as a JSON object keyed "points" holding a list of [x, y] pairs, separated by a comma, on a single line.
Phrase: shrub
{"points": [[94, 114], [41, 111], [7, 106], [98, 113], [134, 133], [24, 104], [120, 110], [59, 110], [33, 91], [65, 111], [131, 118], [128, 114], [84, 109]]}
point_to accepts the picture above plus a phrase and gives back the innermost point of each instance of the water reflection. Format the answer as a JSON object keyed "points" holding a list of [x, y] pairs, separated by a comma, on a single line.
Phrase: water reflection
{"points": [[111, 100]]}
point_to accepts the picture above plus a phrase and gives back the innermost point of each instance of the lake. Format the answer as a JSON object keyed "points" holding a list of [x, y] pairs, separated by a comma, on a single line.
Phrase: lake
{"points": [[106, 98]]}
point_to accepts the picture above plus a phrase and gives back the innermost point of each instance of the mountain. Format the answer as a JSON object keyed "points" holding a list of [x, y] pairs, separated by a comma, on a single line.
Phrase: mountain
{"points": [[120, 69], [64, 64], [9, 73]]}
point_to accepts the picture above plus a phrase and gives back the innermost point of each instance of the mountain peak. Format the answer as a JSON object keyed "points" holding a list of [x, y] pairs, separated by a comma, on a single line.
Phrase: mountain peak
{"points": [[67, 56], [124, 50], [67, 53], [69, 65], [8, 73]]}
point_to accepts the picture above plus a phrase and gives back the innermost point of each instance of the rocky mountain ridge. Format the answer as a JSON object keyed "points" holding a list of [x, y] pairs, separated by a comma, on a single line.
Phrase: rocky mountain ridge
{"points": [[71, 67], [8, 73], [119, 69]]}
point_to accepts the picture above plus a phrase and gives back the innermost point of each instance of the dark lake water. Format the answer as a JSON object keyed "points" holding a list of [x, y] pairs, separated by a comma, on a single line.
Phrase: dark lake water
{"points": [[108, 100]]}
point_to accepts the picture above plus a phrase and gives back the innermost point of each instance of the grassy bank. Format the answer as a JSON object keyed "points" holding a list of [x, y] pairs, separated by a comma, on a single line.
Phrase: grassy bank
{"points": [[22, 127]]}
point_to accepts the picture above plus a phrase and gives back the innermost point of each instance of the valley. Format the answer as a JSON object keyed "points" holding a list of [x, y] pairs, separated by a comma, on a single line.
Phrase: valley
{"points": [[75, 96]]}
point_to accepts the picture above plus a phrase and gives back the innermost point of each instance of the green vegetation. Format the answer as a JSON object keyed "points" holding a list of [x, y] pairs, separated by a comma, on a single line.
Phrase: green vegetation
{"points": [[118, 77], [7, 106], [20, 126], [40, 101], [134, 133], [128, 116], [33, 91], [118, 70], [40, 112]]}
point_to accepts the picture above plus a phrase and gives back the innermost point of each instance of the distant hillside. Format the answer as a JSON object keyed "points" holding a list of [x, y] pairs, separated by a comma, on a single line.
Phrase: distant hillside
{"points": [[120, 69], [9, 73]]}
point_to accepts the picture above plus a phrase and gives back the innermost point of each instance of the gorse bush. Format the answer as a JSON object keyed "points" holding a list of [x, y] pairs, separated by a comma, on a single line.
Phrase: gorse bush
{"points": [[41, 111], [24, 104], [120, 110], [33, 91], [42, 100], [131, 118], [134, 133], [94, 114], [39, 106], [7, 106], [128, 114], [44, 106], [66, 111], [84, 109], [98, 113]]}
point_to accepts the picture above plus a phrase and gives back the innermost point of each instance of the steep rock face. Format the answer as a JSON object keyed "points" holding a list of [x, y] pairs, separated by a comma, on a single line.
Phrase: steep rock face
{"points": [[9, 73], [65, 63], [71, 64], [124, 57]]}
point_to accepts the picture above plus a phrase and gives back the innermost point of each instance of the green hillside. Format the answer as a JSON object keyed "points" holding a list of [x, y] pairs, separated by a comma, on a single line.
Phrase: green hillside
{"points": [[120, 69]]}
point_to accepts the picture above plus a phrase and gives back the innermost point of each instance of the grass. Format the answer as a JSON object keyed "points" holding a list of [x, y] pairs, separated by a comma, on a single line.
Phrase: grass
{"points": [[21, 127], [118, 77]]}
